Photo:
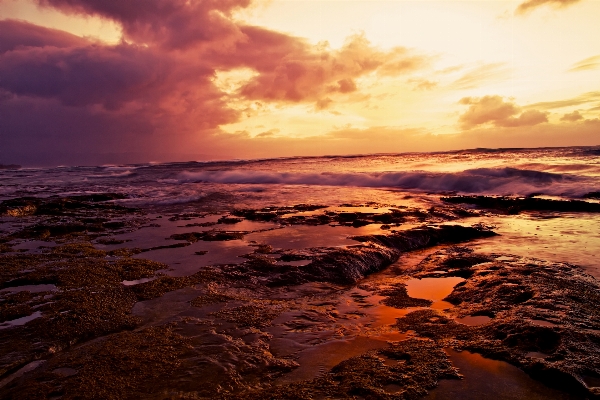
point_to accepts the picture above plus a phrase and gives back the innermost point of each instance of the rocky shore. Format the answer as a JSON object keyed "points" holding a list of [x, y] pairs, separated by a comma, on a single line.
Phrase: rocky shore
{"points": [[84, 314]]}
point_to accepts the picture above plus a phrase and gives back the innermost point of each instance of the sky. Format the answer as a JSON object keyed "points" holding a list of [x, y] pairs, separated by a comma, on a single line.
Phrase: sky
{"points": [[88, 82]]}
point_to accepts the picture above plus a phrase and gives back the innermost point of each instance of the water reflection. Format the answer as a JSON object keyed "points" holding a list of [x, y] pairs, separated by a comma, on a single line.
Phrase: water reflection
{"points": [[485, 378], [434, 289], [299, 237], [573, 239]]}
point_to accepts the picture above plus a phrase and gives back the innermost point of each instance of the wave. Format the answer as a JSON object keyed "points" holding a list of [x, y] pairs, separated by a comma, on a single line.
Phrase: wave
{"points": [[161, 201], [114, 173], [501, 181]]}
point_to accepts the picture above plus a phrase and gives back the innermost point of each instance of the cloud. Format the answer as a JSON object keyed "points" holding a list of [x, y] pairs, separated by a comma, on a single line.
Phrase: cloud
{"points": [[86, 75], [158, 91], [422, 84], [270, 132], [586, 64], [496, 111], [173, 24], [572, 117], [575, 101], [292, 71], [323, 104], [531, 4], [16, 35], [481, 75]]}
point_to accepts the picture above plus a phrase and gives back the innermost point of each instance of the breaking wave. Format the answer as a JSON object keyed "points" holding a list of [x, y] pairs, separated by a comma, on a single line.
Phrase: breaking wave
{"points": [[501, 181]]}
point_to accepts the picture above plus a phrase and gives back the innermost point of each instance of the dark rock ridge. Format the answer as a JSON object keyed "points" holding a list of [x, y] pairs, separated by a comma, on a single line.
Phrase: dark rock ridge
{"points": [[592, 195], [349, 265], [81, 217], [211, 235], [514, 205], [55, 205], [395, 216]]}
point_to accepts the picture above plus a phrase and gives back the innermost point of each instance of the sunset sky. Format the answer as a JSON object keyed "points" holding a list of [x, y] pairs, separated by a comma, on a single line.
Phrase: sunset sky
{"points": [[113, 81]]}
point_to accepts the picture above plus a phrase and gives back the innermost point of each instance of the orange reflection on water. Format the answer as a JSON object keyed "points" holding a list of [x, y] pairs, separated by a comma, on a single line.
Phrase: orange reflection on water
{"points": [[321, 358], [434, 289], [485, 378], [572, 238]]}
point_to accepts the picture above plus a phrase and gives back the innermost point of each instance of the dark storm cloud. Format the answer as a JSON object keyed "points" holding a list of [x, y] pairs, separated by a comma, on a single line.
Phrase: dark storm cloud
{"points": [[80, 76], [156, 90], [16, 34], [170, 23]]}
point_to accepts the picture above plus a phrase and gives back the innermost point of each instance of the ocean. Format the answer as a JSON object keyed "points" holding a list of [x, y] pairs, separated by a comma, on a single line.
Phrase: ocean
{"points": [[568, 172]]}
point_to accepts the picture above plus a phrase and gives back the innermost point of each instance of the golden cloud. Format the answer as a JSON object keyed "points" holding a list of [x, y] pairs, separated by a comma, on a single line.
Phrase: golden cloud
{"points": [[495, 110]]}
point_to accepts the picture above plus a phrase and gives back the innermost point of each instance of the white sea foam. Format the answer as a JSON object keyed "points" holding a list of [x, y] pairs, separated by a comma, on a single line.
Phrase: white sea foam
{"points": [[502, 181], [569, 172]]}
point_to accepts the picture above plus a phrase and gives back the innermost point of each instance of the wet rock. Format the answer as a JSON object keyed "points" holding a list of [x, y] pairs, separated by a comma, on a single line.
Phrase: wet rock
{"points": [[229, 220], [256, 215], [219, 347], [514, 205], [164, 284], [398, 297], [592, 195], [89, 300], [350, 218], [24, 206], [419, 364], [109, 241], [46, 231], [160, 286], [211, 297], [200, 224], [68, 218], [185, 216], [357, 223], [168, 246], [427, 236], [208, 236], [253, 315], [537, 307], [116, 367], [15, 305], [350, 265], [308, 207]]}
